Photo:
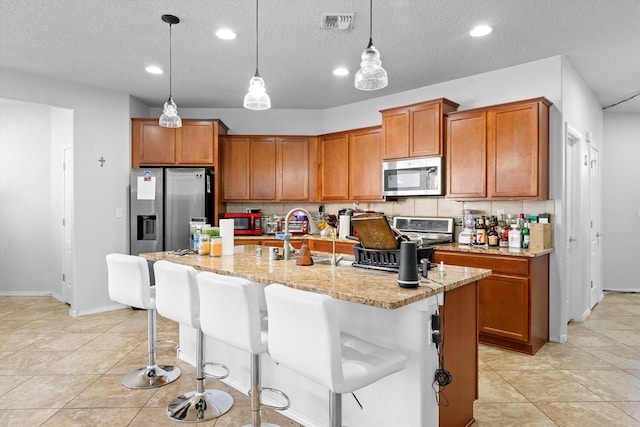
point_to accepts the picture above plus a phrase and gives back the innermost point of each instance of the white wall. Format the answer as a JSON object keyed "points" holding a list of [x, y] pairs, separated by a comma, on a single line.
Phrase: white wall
{"points": [[101, 127], [26, 208], [621, 202]]}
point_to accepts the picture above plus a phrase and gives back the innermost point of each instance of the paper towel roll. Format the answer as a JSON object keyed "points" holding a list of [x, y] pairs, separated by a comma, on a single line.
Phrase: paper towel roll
{"points": [[226, 232], [345, 226]]}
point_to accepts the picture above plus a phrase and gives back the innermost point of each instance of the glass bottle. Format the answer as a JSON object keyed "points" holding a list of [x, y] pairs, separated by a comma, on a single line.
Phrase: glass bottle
{"points": [[515, 237], [525, 235], [493, 238], [481, 232], [504, 235]]}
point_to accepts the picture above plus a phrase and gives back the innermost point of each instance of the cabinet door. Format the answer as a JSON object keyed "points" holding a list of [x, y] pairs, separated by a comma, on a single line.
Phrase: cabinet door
{"points": [[395, 126], [194, 143], [156, 144], [235, 168], [503, 307], [365, 165], [466, 154], [514, 152], [333, 156], [263, 169], [293, 169], [425, 136]]}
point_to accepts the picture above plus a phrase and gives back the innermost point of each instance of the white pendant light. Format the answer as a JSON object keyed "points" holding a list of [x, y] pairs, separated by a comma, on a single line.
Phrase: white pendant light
{"points": [[371, 75], [257, 98], [170, 117]]}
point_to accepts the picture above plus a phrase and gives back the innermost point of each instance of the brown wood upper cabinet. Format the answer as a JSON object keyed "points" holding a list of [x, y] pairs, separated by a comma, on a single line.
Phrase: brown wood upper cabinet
{"points": [[193, 144], [267, 168], [415, 130], [350, 165], [499, 152]]}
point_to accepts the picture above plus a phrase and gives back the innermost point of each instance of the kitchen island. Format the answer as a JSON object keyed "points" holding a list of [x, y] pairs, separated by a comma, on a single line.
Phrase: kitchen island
{"points": [[374, 307]]}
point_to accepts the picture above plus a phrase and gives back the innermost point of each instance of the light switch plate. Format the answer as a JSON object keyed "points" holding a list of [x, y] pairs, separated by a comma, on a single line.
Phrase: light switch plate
{"points": [[118, 212]]}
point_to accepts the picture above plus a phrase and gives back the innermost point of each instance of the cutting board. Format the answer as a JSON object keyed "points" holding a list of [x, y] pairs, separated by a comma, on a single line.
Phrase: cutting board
{"points": [[374, 232]]}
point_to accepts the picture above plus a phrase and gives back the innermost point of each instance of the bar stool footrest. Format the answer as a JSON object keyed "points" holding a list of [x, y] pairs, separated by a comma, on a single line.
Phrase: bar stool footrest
{"points": [[214, 376], [278, 392], [173, 347]]}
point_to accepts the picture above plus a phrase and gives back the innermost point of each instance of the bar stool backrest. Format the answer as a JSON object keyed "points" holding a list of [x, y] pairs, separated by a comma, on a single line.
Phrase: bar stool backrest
{"points": [[230, 312], [304, 334], [128, 281], [177, 295]]}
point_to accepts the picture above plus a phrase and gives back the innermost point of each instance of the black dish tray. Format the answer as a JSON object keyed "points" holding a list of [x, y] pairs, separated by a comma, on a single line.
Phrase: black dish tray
{"points": [[386, 259]]}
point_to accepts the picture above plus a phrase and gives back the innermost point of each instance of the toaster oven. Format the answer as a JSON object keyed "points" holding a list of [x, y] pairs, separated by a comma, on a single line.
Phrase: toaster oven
{"points": [[296, 226]]}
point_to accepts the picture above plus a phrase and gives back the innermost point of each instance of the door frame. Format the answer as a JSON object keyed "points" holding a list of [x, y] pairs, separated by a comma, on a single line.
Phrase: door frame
{"points": [[68, 290], [596, 293], [575, 245]]}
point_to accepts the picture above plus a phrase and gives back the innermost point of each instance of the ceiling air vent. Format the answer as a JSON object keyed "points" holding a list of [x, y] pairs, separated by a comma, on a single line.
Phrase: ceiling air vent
{"points": [[336, 21]]}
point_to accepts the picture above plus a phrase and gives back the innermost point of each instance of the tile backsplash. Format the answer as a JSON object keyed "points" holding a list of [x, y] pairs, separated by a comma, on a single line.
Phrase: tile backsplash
{"points": [[409, 206]]}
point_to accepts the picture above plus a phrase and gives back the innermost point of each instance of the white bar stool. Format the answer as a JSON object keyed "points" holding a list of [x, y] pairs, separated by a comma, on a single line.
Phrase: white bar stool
{"points": [[128, 284], [178, 299], [305, 336], [230, 312]]}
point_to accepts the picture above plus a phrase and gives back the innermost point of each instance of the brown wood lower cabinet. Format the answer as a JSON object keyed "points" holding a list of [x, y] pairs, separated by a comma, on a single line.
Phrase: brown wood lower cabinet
{"points": [[513, 303]]}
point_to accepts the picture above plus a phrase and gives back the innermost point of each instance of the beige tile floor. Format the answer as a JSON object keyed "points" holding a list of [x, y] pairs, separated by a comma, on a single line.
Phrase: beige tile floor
{"points": [[62, 371]]}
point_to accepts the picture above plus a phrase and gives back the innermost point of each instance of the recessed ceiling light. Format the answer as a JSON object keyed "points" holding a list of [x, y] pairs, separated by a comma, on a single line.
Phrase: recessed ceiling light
{"points": [[154, 70], [480, 31], [225, 34], [340, 72]]}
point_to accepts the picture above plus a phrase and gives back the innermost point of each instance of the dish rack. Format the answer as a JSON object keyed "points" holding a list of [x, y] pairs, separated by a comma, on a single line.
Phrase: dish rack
{"points": [[385, 259]]}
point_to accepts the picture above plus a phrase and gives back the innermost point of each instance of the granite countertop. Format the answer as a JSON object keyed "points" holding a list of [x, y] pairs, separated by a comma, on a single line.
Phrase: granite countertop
{"points": [[487, 250], [363, 286]]}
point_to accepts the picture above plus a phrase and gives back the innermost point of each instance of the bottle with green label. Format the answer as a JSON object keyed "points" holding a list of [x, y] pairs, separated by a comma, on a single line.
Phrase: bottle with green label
{"points": [[525, 235]]}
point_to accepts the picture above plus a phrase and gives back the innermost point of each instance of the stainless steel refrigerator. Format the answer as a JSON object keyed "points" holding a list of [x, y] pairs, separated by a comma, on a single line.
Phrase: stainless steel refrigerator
{"points": [[163, 201]]}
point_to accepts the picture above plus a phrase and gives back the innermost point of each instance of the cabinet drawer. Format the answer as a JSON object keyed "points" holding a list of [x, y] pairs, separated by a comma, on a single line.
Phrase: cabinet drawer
{"points": [[496, 263]]}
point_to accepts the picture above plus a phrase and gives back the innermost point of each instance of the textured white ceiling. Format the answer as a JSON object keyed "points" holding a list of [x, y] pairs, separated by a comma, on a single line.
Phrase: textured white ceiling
{"points": [[108, 43]]}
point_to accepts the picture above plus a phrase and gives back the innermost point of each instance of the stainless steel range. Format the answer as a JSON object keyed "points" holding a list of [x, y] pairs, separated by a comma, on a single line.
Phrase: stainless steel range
{"points": [[426, 230]]}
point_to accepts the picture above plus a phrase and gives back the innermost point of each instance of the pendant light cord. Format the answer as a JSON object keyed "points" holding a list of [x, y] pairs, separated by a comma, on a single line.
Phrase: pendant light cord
{"points": [[257, 73], [170, 62], [370, 23]]}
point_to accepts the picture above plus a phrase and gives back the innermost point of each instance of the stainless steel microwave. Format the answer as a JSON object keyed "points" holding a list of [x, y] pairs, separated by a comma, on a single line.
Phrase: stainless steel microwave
{"points": [[423, 176]]}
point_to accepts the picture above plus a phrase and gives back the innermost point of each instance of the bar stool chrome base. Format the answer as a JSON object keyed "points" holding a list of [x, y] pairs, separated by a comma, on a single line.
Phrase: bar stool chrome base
{"points": [[195, 407], [151, 376]]}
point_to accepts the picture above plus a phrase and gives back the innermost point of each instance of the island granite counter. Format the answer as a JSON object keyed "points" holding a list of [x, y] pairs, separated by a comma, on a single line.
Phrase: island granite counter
{"points": [[373, 306]]}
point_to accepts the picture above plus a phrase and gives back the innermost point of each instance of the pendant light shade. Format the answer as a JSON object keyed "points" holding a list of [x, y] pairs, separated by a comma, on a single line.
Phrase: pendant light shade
{"points": [[257, 98], [371, 75], [170, 117]]}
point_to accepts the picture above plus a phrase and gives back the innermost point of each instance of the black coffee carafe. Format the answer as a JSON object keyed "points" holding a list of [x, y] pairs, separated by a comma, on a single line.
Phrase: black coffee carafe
{"points": [[408, 276]]}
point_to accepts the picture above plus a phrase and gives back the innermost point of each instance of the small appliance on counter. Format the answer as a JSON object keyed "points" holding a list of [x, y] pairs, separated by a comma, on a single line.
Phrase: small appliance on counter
{"points": [[246, 223], [468, 226], [271, 224], [296, 226]]}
